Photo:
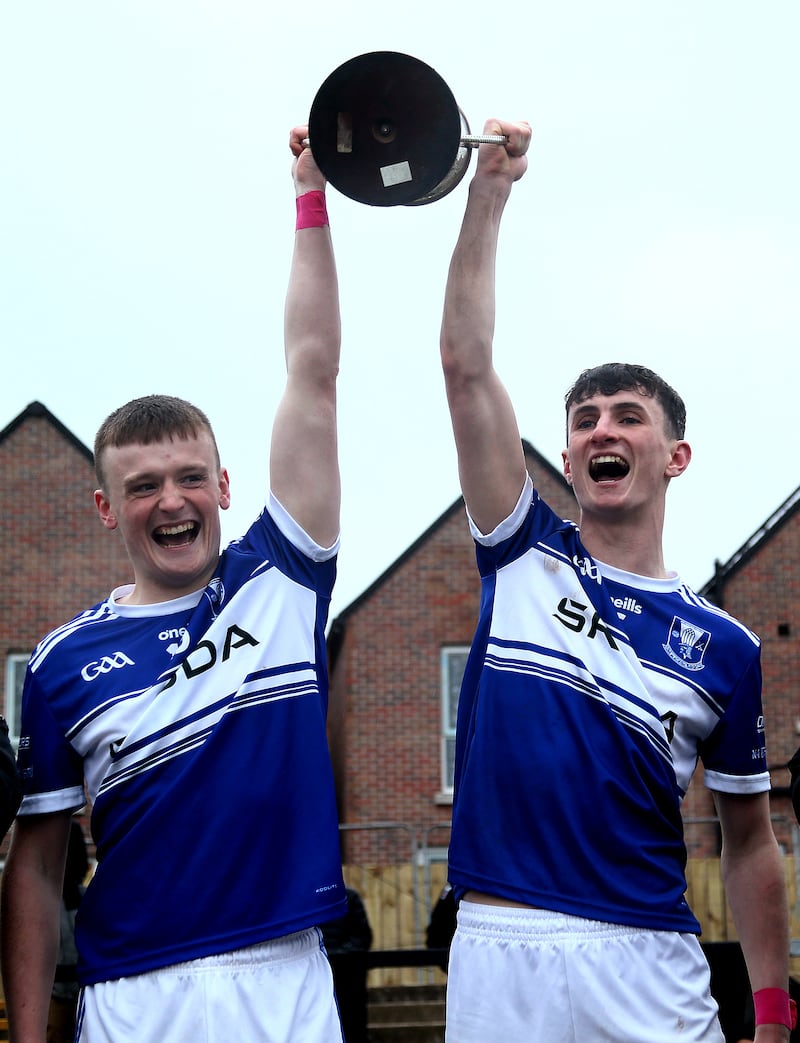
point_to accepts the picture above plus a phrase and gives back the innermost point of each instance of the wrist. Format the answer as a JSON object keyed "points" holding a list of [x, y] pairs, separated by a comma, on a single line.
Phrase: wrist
{"points": [[490, 194], [311, 210], [774, 1007]]}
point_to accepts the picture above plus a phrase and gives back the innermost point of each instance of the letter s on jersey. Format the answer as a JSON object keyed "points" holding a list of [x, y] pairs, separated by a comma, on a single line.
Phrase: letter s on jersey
{"points": [[204, 655], [575, 616]]}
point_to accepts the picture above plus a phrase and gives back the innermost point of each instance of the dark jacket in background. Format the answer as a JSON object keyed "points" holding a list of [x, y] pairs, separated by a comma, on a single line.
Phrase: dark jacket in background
{"points": [[10, 782], [794, 768]]}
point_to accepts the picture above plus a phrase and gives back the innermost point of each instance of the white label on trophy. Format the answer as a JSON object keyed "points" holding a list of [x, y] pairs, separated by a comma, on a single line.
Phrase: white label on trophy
{"points": [[396, 174]]}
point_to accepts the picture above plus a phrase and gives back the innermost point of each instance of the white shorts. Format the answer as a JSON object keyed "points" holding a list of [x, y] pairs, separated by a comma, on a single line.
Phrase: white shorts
{"points": [[533, 976], [280, 991]]}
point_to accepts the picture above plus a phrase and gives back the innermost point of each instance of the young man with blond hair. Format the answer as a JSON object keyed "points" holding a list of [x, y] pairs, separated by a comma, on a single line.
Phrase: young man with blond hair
{"points": [[190, 707]]}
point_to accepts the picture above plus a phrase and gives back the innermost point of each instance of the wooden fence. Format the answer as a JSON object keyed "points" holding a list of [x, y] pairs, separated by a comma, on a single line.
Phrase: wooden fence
{"points": [[399, 898]]}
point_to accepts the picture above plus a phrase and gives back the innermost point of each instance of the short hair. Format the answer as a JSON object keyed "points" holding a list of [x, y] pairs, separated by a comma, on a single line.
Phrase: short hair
{"points": [[152, 418], [612, 377]]}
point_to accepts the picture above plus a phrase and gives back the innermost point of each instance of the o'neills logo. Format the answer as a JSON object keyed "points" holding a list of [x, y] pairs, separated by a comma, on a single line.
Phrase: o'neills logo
{"points": [[626, 605], [178, 637]]}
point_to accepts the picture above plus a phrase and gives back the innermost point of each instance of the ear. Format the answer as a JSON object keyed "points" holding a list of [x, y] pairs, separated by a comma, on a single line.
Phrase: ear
{"points": [[224, 489], [679, 459], [566, 466], [107, 516]]}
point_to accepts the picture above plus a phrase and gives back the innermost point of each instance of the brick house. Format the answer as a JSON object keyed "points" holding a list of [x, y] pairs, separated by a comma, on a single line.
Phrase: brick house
{"points": [[57, 559], [760, 585], [397, 652], [396, 657]]}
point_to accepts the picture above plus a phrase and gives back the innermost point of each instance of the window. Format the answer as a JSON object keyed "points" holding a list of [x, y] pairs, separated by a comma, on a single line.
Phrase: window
{"points": [[15, 675], [454, 660]]}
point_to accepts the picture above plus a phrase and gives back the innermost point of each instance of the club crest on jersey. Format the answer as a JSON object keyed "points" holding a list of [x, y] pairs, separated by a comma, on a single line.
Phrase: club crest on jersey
{"points": [[687, 644], [215, 592]]}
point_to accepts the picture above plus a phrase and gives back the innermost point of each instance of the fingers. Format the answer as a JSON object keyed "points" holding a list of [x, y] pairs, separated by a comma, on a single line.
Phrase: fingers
{"points": [[298, 139], [518, 134], [508, 162], [306, 173], [519, 139]]}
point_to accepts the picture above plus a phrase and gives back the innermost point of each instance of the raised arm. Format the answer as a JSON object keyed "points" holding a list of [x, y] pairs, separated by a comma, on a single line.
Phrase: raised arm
{"points": [[304, 466], [752, 872], [30, 919], [490, 458]]}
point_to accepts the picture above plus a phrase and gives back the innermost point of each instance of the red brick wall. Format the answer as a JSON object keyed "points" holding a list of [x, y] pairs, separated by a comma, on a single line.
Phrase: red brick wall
{"points": [[385, 723], [764, 593], [56, 557], [385, 715]]}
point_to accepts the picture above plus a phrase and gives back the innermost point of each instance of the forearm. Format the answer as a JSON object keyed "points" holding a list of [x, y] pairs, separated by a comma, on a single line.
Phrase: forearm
{"points": [[29, 950], [755, 888], [469, 305], [304, 465], [312, 323], [490, 458], [469, 311], [756, 893], [304, 470]]}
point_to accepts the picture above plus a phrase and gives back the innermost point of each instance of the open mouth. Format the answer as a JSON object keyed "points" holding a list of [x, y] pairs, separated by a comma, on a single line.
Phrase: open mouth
{"points": [[176, 535], [608, 468]]}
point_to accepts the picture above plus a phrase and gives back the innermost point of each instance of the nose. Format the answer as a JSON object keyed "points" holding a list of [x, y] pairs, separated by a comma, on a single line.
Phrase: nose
{"points": [[602, 430], [172, 498]]}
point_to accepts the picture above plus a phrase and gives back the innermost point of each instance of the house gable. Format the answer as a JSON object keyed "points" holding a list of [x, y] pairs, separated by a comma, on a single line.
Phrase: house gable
{"points": [[385, 710], [760, 585], [57, 558]]}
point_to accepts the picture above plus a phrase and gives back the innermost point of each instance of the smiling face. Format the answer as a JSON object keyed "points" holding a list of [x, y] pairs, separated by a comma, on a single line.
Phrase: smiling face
{"points": [[620, 455], [165, 499]]}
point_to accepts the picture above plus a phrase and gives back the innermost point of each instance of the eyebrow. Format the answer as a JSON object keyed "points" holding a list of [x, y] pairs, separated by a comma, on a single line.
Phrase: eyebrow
{"points": [[589, 408], [156, 475]]}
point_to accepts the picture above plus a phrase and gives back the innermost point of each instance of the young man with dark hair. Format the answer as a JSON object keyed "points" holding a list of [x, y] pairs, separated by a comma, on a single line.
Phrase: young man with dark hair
{"points": [[190, 706], [595, 680]]}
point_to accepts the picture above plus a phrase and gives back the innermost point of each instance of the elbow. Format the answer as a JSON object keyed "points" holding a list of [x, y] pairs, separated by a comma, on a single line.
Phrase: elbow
{"points": [[464, 365], [314, 362]]}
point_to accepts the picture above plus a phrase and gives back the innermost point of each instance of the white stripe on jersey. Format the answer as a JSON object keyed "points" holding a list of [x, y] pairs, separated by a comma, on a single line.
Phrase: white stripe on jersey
{"points": [[189, 732], [531, 661], [691, 598], [48, 643], [98, 711], [684, 680]]}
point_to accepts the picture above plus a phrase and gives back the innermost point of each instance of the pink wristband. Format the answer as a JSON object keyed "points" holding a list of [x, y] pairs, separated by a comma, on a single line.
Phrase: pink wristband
{"points": [[774, 1007], [311, 210]]}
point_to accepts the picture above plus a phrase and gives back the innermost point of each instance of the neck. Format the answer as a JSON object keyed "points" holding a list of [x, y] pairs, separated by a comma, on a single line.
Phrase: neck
{"points": [[146, 594], [629, 547]]}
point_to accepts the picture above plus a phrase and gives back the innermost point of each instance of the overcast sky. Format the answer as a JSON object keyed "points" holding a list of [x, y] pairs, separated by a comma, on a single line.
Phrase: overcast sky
{"points": [[147, 216]]}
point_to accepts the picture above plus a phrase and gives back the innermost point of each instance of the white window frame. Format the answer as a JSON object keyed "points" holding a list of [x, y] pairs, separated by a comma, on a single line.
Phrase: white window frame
{"points": [[16, 662], [450, 687]]}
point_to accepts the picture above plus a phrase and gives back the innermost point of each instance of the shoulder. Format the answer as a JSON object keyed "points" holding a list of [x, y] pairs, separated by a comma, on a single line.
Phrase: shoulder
{"points": [[275, 543], [75, 632], [531, 521], [275, 528], [717, 619]]}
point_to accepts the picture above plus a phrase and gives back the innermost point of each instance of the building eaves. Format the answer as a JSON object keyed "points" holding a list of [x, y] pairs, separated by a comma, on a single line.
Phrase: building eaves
{"points": [[35, 410], [536, 463], [739, 558]]}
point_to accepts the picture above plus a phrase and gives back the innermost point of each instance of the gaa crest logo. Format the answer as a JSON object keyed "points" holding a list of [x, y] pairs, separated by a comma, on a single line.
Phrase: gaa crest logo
{"points": [[687, 644]]}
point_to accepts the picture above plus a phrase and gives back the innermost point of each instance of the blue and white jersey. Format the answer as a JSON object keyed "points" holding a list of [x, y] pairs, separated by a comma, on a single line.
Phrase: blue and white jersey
{"points": [[198, 729], [588, 696]]}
